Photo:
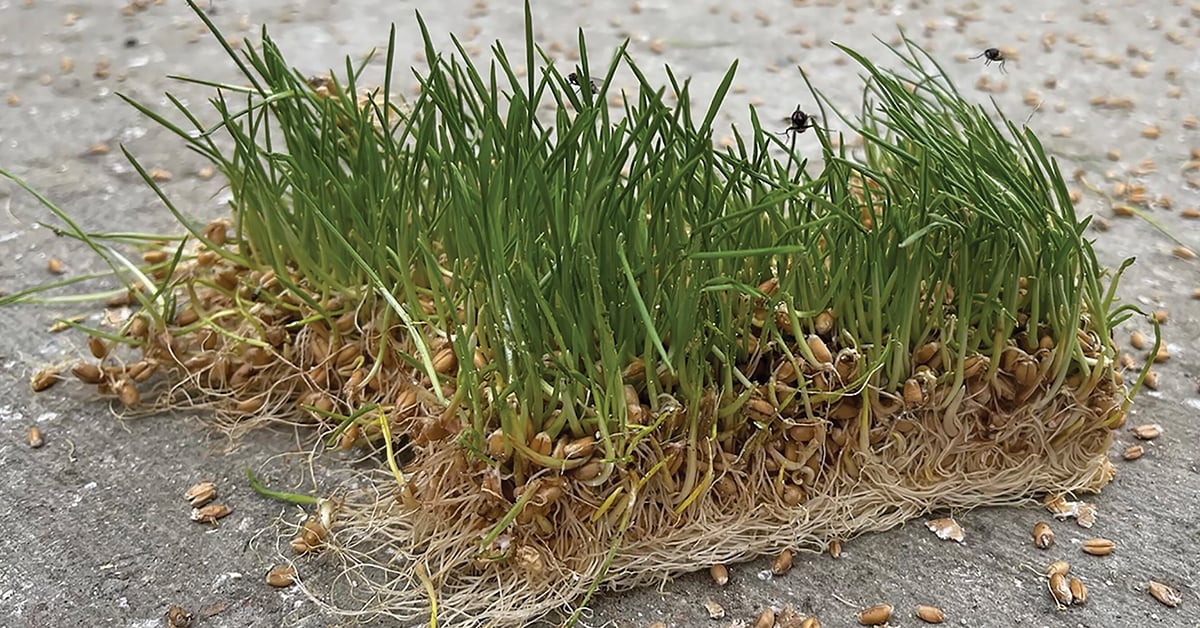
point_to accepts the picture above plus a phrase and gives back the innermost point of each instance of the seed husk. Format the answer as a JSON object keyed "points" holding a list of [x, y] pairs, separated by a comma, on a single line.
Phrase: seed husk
{"points": [[1098, 547], [1148, 431], [788, 618], [210, 513], [1079, 591], [1133, 452], [1043, 536], [1060, 588], [1138, 341], [1165, 594], [930, 614], [1151, 380], [281, 576], [811, 622], [44, 379], [765, 619], [782, 563], [720, 574], [875, 615], [715, 611], [177, 617], [946, 529], [1085, 515], [200, 494], [35, 438], [835, 548]]}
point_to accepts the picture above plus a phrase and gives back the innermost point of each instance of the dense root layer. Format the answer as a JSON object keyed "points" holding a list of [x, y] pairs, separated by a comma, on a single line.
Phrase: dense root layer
{"points": [[389, 541]]}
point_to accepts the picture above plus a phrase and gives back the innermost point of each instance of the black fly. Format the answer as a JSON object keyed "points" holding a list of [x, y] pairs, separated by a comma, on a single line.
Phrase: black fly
{"points": [[800, 121], [574, 80], [990, 55]]}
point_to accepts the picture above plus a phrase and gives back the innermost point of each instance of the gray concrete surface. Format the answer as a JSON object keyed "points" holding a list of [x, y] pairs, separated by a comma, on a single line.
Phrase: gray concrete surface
{"points": [[95, 533]]}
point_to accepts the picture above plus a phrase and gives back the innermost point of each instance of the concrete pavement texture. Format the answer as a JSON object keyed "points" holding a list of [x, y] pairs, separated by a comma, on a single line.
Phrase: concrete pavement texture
{"points": [[95, 531]]}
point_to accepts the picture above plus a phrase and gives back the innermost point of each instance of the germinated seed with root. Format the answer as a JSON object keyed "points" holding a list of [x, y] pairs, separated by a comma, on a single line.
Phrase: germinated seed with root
{"points": [[875, 615], [1098, 547], [312, 535], [720, 574], [1165, 594], [44, 379], [87, 373], [930, 614], [1060, 588], [1043, 536], [1137, 340], [127, 393]]}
